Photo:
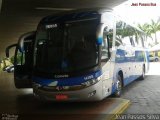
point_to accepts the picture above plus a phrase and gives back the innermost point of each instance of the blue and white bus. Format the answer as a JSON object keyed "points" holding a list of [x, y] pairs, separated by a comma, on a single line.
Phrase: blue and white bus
{"points": [[81, 55]]}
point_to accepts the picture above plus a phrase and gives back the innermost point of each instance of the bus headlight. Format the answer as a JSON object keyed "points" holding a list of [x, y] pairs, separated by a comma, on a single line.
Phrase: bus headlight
{"points": [[91, 82]]}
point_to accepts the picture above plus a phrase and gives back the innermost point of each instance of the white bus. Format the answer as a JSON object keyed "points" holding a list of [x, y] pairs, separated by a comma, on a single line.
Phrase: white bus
{"points": [[82, 55]]}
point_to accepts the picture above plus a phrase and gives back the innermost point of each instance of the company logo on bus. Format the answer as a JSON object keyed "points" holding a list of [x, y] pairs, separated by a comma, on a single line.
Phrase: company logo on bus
{"points": [[59, 88], [61, 76], [89, 77], [51, 26]]}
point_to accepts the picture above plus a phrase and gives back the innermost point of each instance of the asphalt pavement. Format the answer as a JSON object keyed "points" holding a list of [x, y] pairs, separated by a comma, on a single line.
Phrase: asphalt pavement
{"points": [[20, 104], [145, 94]]}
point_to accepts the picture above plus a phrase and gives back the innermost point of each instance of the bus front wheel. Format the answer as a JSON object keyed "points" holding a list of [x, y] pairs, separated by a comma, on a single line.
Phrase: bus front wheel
{"points": [[143, 73], [118, 86]]}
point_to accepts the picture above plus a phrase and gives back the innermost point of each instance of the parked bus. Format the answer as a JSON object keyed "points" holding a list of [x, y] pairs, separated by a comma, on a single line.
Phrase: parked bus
{"points": [[82, 55]]}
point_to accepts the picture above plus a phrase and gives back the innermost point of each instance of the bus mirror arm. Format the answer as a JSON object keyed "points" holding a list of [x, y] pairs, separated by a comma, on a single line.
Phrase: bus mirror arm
{"points": [[109, 53], [22, 39], [8, 48], [21, 44]]}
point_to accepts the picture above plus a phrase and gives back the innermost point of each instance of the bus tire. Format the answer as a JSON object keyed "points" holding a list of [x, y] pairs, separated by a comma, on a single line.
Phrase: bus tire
{"points": [[143, 73], [119, 87]]}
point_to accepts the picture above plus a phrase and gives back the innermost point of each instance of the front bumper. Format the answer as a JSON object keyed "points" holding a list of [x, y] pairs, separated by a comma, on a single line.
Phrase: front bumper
{"points": [[91, 93]]}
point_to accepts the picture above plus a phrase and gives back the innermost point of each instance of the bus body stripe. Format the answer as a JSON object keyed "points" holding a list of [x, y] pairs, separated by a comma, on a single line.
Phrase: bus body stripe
{"points": [[66, 81]]}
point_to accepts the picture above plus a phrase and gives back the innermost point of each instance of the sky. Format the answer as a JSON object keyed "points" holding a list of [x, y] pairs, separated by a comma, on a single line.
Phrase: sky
{"points": [[139, 13]]}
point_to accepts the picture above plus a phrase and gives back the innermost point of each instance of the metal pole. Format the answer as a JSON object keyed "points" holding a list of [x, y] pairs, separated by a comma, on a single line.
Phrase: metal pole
{"points": [[0, 5]]}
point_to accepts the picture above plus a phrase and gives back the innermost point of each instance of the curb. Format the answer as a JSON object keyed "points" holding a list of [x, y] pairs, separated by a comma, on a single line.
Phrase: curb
{"points": [[124, 104]]}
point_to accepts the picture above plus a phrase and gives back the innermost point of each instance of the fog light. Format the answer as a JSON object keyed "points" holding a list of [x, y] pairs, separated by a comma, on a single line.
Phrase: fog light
{"points": [[36, 85], [92, 93]]}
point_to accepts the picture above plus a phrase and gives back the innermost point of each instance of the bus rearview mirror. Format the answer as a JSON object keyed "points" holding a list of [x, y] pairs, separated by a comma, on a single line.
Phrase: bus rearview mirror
{"points": [[25, 37], [8, 48]]}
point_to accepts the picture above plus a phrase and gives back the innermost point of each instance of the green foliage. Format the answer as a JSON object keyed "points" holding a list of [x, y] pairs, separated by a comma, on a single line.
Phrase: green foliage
{"points": [[19, 57], [125, 30], [146, 28], [151, 28], [5, 62], [12, 59]]}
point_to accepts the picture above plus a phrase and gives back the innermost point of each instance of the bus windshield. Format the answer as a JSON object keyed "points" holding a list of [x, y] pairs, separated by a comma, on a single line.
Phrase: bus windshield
{"points": [[66, 47]]}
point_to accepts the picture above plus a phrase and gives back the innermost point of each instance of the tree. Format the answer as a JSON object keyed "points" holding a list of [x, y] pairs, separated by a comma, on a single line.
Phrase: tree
{"points": [[154, 27], [146, 29]]}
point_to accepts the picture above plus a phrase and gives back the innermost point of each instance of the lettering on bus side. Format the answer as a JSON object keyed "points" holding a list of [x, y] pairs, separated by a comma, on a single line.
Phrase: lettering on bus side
{"points": [[61, 76], [88, 77], [51, 26]]}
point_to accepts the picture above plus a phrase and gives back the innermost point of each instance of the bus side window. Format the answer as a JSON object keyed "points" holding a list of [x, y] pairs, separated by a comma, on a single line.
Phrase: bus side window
{"points": [[20, 58]]}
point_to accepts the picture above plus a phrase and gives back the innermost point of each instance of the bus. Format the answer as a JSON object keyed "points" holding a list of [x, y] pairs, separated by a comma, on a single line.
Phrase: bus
{"points": [[80, 55]]}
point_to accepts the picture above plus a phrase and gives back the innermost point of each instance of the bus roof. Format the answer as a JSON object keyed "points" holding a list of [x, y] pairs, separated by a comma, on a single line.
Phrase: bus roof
{"points": [[74, 14]]}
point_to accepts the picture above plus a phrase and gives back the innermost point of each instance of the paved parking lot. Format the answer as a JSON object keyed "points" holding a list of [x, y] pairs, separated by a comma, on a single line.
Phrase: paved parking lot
{"points": [[154, 68], [22, 104], [145, 94]]}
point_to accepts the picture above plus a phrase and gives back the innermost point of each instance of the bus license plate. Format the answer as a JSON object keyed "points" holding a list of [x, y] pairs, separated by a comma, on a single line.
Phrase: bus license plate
{"points": [[61, 97]]}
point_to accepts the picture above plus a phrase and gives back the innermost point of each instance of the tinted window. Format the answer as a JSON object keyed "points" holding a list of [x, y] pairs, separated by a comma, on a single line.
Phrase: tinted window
{"points": [[69, 47]]}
